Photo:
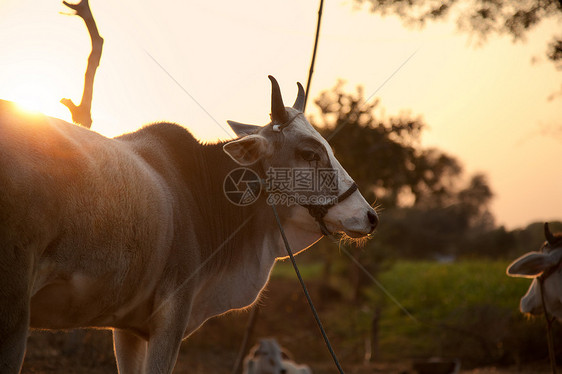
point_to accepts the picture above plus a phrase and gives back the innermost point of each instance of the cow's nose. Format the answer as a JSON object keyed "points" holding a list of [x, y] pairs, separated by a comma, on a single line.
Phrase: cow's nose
{"points": [[373, 219]]}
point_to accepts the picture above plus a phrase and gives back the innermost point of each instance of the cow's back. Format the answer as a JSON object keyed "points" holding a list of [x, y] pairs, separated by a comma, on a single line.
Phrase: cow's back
{"points": [[92, 212]]}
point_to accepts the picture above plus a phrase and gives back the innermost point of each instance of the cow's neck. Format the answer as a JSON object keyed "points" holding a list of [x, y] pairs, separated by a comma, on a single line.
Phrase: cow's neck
{"points": [[234, 241], [248, 236], [222, 225]]}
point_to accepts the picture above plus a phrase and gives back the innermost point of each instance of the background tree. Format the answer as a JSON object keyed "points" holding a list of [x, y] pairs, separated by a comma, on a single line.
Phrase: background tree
{"points": [[386, 159], [384, 155], [480, 18], [427, 205]]}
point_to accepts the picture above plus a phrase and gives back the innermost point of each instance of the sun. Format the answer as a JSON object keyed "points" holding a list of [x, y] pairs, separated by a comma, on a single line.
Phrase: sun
{"points": [[36, 84], [33, 96]]}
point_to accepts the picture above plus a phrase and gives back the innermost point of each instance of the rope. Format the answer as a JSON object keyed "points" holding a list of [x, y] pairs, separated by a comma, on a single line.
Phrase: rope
{"points": [[314, 312], [379, 285]]}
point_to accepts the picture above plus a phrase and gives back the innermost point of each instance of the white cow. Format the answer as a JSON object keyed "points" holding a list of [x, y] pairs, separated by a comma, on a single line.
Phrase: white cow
{"points": [[136, 233], [267, 357], [545, 266]]}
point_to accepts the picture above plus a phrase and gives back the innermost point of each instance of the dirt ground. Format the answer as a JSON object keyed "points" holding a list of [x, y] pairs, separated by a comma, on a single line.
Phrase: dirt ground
{"points": [[93, 361], [213, 349], [90, 352]]}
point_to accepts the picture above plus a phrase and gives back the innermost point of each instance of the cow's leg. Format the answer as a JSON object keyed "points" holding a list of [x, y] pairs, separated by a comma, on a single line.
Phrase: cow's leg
{"points": [[14, 325], [163, 349], [15, 274], [130, 352], [167, 331]]}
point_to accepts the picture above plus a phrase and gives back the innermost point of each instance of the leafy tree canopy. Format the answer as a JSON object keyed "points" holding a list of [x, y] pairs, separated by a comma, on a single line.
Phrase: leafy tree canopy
{"points": [[385, 156], [480, 17], [427, 203]]}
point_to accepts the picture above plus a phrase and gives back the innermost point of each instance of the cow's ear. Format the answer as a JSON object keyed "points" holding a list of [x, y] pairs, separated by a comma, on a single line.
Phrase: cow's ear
{"points": [[248, 150], [242, 129], [532, 264]]}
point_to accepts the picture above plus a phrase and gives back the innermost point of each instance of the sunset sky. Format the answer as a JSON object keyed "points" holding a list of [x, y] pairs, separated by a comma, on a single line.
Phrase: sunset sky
{"points": [[201, 63]]}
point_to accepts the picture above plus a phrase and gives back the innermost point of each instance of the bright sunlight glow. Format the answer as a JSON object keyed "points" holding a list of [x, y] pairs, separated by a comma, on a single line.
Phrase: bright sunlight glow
{"points": [[33, 94]]}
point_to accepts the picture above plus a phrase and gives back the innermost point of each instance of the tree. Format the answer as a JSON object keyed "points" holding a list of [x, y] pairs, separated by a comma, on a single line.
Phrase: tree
{"points": [[480, 18], [427, 210], [428, 206], [383, 155], [386, 159]]}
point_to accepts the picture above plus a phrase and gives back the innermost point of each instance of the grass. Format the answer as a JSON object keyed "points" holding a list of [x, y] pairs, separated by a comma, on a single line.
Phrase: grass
{"points": [[284, 270], [431, 290], [466, 308]]}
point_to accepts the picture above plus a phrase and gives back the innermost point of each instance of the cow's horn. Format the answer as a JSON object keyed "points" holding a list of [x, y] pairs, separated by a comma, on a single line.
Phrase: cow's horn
{"points": [[547, 234], [278, 112], [299, 102]]}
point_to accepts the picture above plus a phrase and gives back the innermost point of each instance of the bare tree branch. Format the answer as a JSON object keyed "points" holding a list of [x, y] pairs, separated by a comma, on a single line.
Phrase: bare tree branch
{"points": [[81, 114]]}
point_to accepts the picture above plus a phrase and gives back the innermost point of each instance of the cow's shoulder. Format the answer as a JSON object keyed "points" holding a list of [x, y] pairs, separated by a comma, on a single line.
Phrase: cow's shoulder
{"points": [[166, 131], [170, 149], [163, 140]]}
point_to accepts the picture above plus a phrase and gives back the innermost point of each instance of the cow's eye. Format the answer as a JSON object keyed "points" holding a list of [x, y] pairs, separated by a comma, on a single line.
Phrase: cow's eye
{"points": [[309, 155]]}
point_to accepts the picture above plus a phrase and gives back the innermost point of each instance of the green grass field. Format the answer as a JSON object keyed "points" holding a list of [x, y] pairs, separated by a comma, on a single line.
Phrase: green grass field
{"points": [[465, 309]]}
